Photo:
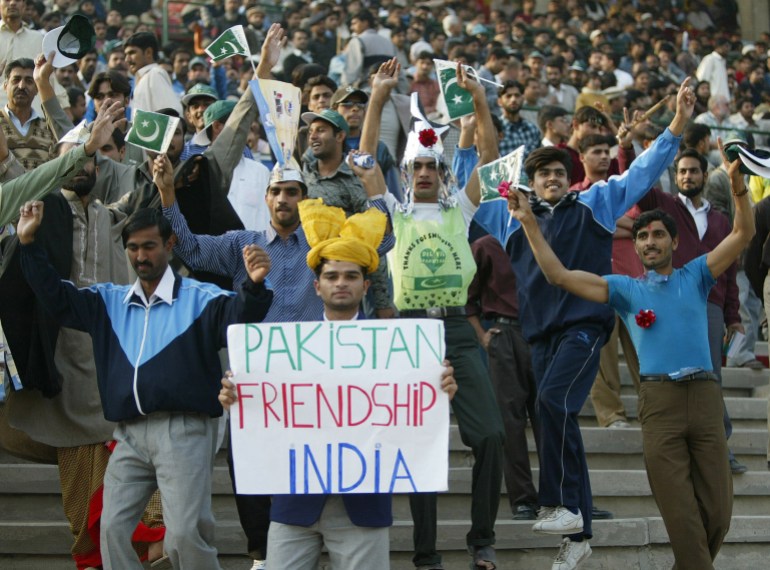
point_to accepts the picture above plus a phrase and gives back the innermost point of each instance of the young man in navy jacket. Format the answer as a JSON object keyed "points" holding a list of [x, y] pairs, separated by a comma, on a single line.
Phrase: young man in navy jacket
{"points": [[566, 332], [156, 349]]}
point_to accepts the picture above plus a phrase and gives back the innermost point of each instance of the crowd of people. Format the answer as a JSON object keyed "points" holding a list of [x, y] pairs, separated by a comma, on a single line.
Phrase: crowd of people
{"points": [[121, 268]]}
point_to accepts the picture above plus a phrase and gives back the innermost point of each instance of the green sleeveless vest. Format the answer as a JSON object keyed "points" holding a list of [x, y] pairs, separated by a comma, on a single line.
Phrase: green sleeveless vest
{"points": [[431, 264]]}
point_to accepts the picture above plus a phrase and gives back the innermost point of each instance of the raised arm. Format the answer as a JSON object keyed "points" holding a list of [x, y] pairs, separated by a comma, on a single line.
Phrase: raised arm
{"points": [[37, 183], [383, 83], [487, 136], [728, 250], [587, 285]]}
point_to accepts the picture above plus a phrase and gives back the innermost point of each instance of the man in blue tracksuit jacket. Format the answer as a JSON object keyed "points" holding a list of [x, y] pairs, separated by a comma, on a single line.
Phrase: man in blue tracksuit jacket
{"points": [[566, 332], [156, 349]]}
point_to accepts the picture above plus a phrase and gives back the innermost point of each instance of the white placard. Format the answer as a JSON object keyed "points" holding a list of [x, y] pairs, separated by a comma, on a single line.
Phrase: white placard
{"points": [[339, 407]]}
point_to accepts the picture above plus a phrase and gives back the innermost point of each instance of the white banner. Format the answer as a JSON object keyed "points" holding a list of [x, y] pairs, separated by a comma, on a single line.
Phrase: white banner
{"points": [[339, 407]]}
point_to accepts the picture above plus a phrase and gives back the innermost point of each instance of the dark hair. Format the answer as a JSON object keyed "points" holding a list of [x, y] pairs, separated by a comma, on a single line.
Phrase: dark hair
{"points": [[549, 113], [117, 81], [510, 84], [541, 157], [118, 138], [146, 218], [365, 16], [425, 55], [320, 267], [588, 114], [692, 153], [144, 40], [694, 133], [646, 218], [318, 80], [650, 132], [21, 62], [179, 50], [170, 112], [498, 53], [589, 141], [555, 61], [73, 93], [305, 71]]}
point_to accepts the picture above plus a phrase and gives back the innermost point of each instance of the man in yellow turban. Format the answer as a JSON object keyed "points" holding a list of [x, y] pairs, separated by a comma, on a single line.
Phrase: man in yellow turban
{"points": [[353, 527]]}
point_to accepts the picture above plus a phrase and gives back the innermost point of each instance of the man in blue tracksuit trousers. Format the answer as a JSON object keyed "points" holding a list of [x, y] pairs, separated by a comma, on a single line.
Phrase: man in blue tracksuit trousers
{"points": [[566, 332]]}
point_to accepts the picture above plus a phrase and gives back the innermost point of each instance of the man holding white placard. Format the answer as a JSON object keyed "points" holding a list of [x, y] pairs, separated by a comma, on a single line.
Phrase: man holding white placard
{"points": [[353, 527]]}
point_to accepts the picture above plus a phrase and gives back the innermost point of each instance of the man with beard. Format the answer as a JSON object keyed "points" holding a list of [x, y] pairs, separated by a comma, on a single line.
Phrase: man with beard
{"points": [[516, 131], [680, 400], [82, 239], [701, 229], [30, 136]]}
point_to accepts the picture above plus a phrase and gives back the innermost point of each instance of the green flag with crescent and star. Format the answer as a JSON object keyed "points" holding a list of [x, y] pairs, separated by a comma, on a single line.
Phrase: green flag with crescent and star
{"points": [[505, 169], [152, 131], [231, 42], [457, 102]]}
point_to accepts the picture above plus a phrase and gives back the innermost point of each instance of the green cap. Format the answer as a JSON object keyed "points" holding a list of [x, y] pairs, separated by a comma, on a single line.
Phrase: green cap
{"points": [[199, 90], [329, 116], [217, 111]]}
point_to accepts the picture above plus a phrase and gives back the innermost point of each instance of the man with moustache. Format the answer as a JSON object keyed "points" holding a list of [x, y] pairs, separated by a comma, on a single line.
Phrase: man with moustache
{"points": [[30, 136], [155, 346], [516, 131], [82, 239], [680, 400], [701, 229]]}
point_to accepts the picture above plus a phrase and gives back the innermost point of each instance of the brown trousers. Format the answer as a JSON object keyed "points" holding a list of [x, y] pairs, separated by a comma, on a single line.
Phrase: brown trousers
{"points": [[605, 393], [684, 450]]}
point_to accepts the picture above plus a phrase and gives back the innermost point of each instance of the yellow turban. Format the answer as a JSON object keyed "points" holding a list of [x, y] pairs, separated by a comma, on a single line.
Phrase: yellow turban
{"points": [[333, 237]]}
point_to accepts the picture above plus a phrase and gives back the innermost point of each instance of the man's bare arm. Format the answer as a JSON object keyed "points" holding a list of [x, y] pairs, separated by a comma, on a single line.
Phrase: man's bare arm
{"points": [[728, 250]]}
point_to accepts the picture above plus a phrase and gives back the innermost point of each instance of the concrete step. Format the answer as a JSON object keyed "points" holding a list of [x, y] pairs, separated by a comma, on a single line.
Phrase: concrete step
{"points": [[621, 543]]}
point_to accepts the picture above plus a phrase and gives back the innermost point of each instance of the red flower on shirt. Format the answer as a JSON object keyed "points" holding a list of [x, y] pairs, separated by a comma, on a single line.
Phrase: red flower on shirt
{"points": [[427, 137], [504, 188], [645, 318]]}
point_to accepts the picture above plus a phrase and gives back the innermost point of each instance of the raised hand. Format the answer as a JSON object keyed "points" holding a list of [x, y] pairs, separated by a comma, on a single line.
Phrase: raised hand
{"points": [[275, 40], [685, 99], [467, 82], [43, 67], [30, 216], [733, 169], [518, 205], [163, 174], [386, 77], [257, 263], [111, 116]]}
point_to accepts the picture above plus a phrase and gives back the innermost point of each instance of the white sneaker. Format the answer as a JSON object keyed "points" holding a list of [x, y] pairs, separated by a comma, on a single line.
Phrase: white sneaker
{"points": [[558, 520], [619, 424], [571, 554], [259, 565]]}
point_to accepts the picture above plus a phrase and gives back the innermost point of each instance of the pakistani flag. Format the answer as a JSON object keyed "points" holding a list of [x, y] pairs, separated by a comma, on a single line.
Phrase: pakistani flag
{"points": [[455, 102], [505, 169], [152, 131], [231, 42]]}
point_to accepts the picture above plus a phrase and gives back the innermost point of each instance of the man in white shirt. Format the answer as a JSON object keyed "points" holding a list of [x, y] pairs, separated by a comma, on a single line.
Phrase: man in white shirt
{"points": [[713, 68], [153, 89], [559, 93]]}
